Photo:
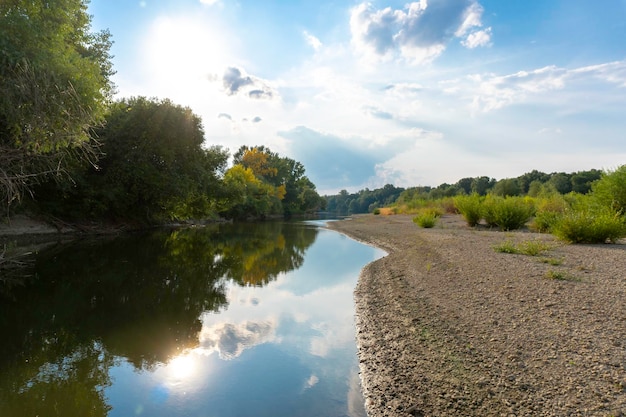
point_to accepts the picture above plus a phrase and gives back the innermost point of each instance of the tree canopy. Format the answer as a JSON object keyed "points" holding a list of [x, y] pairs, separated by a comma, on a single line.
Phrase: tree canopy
{"points": [[264, 183], [154, 168], [54, 88]]}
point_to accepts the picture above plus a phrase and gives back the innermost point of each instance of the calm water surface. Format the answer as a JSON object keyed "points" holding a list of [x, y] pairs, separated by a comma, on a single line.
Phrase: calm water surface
{"points": [[228, 320]]}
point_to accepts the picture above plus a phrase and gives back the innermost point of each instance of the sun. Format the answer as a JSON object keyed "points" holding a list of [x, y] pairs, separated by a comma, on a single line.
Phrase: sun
{"points": [[180, 51]]}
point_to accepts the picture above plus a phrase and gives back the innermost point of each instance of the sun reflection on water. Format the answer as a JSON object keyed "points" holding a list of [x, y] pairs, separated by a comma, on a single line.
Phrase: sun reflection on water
{"points": [[182, 367]]}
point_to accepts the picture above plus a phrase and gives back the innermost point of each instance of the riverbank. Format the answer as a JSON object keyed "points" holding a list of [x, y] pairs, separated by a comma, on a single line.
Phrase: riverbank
{"points": [[447, 326]]}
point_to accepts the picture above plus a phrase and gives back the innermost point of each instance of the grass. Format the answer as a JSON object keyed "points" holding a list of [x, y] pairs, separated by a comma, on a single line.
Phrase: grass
{"points": [[552, 261], [386, 211], [561, 276], [529, 247]]}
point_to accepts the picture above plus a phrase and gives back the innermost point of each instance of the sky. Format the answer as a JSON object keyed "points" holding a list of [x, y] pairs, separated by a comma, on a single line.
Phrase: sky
{"points": [[365, 94]]}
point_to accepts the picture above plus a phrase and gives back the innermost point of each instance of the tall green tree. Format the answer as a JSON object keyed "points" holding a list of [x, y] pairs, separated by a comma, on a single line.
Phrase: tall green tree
{"points": [[155, 167], [583, 180], [506, 187], [54, 88]]}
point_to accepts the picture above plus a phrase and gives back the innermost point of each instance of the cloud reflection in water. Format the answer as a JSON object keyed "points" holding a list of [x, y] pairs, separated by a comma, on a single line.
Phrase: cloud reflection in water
{"points": [[230, 340]]}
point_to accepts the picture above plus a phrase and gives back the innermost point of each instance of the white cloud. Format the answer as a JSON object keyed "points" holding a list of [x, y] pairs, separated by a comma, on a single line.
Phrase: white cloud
{"points": [[478, 38], [312, 41], [471, 19], [210, 2], [612, 72], [419, 33], [492, 92]]}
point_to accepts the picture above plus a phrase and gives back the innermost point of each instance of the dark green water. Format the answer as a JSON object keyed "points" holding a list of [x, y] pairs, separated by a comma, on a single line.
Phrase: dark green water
{"points": [[228, 320]]}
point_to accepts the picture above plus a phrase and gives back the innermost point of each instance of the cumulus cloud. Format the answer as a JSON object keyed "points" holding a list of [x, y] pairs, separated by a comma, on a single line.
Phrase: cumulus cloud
{"points": [[478, 38], [418, 33], [236, 82]]}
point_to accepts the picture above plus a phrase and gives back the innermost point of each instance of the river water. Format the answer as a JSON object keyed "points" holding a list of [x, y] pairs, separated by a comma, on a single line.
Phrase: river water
{"points": [[223, 321]]}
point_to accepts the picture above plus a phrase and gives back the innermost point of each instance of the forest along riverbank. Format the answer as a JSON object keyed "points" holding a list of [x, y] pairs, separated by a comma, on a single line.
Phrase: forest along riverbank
{"points": [[446, 325]]}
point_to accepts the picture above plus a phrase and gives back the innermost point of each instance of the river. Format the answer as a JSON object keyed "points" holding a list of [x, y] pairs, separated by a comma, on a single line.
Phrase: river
{"points": [[220, 321]]}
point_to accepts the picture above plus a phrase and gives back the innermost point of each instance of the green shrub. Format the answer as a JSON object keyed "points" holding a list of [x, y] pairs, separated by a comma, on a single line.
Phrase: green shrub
{"points": [[448, 206], [432, 211], [590, 225], [470, 207], [427, 217], [426, 221], [376, 211], [508, 213], [610, 190], [544, 221], [550, 209]]}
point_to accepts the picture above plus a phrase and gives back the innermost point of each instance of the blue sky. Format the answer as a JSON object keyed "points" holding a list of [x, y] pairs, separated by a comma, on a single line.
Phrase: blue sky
{"points": [[370, 93]]}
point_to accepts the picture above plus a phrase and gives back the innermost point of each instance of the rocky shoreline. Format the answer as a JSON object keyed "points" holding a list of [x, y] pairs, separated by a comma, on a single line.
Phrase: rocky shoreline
{"points": [[447, 326]]}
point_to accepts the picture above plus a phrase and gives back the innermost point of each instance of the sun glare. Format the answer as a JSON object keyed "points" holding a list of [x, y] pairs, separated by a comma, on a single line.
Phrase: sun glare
{"points": [[183, 50], [182, 367]]}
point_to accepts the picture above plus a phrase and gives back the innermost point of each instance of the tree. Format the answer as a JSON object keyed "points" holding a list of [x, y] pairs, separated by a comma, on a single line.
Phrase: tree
{"points": [[481, 185], [465, 184], [506, 187], [155, 168], [248, 195], [561, 182], [54, 88], [528, 178], [582, 180], [297, 192]]}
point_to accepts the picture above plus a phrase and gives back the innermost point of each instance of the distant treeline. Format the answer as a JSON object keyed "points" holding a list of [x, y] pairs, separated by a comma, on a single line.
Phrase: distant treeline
{"points": [[531, 183], [363, 201]]}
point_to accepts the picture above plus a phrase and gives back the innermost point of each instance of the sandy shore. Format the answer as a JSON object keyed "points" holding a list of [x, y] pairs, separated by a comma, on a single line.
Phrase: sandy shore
{"points": [[447, 326]]}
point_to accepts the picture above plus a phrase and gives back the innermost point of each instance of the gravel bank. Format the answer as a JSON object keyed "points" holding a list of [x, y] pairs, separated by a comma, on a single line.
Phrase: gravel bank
{"points": [[447, 326]]}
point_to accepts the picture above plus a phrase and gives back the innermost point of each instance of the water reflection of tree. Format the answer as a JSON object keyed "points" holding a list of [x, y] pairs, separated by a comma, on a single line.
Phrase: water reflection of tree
{"points": [[257, 255], [137, 297]]}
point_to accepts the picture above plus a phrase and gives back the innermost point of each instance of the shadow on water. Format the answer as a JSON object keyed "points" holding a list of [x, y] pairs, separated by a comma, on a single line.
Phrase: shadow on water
{"points": [[88, 305]]}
